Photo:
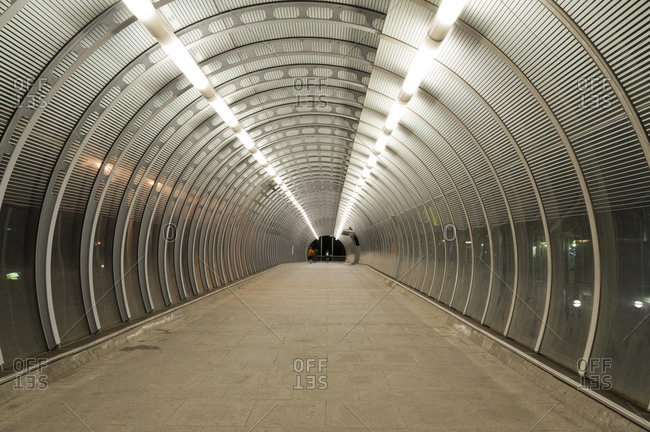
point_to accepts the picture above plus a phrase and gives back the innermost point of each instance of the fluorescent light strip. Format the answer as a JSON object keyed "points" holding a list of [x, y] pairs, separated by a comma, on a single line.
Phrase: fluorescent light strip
{"points": [[395, 115], [245, 139], [224, 111], [420, 65], [372, 160], [185, 62], [271, 171], [380, 145], [144, 11], [447, 14], [259, 157]]}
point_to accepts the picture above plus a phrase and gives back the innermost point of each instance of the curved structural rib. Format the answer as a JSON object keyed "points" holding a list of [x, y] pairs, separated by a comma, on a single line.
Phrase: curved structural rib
{"points": [[492, 155]]}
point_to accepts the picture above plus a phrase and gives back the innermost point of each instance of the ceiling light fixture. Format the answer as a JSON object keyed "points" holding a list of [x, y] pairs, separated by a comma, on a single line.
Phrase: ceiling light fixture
{"points": [[447, 14], [144, 11]]}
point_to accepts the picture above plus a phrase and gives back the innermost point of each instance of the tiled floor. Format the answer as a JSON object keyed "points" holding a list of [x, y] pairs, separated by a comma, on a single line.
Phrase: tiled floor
{"points": [[237, 361]]}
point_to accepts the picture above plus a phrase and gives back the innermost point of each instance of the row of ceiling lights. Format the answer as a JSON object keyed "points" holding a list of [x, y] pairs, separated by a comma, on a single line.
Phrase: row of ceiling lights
{"points": [[447, 14], [144, 11]]}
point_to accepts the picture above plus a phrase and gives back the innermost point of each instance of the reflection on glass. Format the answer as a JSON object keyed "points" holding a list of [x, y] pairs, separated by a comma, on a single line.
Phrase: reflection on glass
{"points": [[623, 324], [20, 326], [66, 283], [504, 273], [532, 285], [103, 284], [482, 263], [573, 270]]}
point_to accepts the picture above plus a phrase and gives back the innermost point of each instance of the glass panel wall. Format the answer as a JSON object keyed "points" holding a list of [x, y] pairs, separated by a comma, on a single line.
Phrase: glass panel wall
{"points": [[623, 330], [480, 288], [572, 291], [66, 283], [20, 325], [102, 264], [503, 267], [532, 287]]}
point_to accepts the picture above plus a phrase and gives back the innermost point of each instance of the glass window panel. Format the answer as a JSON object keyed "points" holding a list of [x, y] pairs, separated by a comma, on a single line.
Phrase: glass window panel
{"points": [[185, 269], [464, 267], [532, 286], [503, 267], [102, 262], [21, 333], [572, 291], [152, 267], [66, 283], [130, 280], [450, 240], [168, 246], [439, 275], [482, 261], [196, 263], [623, 325]]}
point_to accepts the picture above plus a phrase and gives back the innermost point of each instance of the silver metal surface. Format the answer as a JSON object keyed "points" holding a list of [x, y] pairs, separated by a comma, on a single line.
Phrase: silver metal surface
{"points": [[97, 123]]}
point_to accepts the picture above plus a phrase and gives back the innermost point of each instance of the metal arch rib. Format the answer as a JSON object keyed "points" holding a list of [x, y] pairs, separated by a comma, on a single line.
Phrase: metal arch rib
{"points": [[206, 207], [148, 224], [148, 217], [201, 188], [49, 208], [225, 239], [607, 71], [168, 171], [474, 186], [457, 190], [206, 184], [452, 215], [574, 161], [529, 173], [424, 204], [635, 121], [417, 193]]}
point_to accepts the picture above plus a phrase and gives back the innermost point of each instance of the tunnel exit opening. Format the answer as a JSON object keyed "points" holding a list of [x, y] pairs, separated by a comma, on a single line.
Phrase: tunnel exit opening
{"points": [[327, 248]]}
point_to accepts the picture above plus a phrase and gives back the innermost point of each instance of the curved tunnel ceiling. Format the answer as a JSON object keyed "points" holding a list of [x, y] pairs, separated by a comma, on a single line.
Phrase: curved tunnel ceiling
{"points": [[531, 124]]}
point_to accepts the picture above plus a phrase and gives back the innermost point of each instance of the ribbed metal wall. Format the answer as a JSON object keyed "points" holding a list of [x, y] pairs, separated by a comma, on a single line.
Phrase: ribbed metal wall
{"points": [[124, 194], [516, 189]]}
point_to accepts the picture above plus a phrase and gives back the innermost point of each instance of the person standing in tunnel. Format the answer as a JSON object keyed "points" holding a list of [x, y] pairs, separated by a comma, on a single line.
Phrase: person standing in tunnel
{"points": [[310, 255], [327, 256]]}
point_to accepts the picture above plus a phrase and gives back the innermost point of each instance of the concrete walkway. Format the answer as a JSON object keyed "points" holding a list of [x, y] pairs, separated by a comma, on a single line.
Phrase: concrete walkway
{"points": [[238, 360]]}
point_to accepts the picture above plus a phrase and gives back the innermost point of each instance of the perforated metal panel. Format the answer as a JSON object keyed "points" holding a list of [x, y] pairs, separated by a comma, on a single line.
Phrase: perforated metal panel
{"points": [[528, 137]]}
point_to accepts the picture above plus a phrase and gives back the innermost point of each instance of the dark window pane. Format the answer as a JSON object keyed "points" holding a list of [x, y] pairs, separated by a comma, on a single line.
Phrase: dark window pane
{"points": [[20, 325], [102, 262], [572, 291], [66, 284], [532, 287], [623, 329], [503, 267]]}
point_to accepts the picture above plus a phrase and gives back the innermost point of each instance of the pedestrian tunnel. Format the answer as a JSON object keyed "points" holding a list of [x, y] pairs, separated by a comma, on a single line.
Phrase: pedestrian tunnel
{"points": [[492, 157]]}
